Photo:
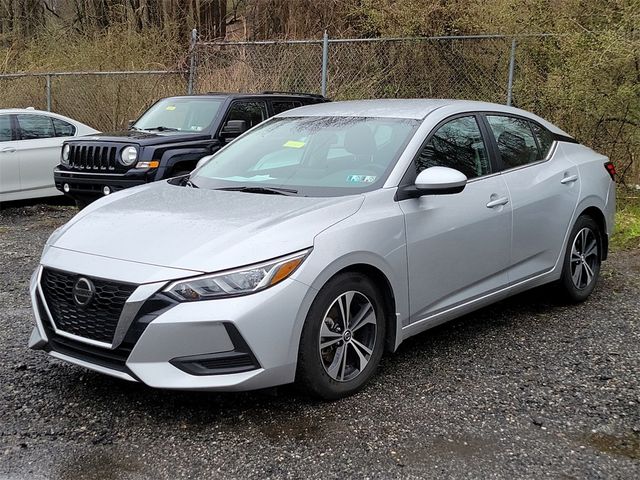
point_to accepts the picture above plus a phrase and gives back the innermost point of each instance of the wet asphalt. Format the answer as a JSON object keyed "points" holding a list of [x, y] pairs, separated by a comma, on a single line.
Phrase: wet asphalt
{"points": [[527, 388]]}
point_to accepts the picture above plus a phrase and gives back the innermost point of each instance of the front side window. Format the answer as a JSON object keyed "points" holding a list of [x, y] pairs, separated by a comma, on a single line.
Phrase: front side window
{"points": [[457, 144], [316, 156], [252, 113], [5, 128], [515, 141], [182, 114], [62, 128], [32, 127]]}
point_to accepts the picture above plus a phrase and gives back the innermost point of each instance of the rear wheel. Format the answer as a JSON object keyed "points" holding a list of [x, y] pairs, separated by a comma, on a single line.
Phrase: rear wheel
{"points": [[343, 337], [582, 260]]}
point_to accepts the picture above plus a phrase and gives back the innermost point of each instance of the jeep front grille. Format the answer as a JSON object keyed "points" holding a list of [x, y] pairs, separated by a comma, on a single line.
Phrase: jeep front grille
{"points": [[94, 158]]}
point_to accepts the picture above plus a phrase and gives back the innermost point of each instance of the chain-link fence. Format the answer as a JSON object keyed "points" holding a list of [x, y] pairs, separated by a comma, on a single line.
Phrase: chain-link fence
{"points": [[565, 78], [103, 100]]}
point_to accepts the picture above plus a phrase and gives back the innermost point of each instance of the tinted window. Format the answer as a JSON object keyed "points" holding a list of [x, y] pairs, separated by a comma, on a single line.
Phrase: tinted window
{"points": [[515, 140], [35, 126], [545, 139], [63, 129], [279, 107], [5, 128], [251, 112], [457, 144]]}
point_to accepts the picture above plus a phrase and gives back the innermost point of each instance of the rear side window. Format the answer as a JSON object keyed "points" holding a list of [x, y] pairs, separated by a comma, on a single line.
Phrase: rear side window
{"points": [[62, 128], [5, 128], [457, 144], [32, 127], [283, 106], [251, 112], [515, 141], [544, 137]]}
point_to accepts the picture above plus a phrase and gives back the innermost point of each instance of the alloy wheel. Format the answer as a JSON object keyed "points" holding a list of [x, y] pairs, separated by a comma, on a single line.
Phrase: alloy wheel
{"points": [[584, 258], [347, 336]]}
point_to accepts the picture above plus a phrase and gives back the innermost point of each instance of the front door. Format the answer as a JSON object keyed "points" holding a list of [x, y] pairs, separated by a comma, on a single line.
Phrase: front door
{"points": [[9, 163], [457, 245]]}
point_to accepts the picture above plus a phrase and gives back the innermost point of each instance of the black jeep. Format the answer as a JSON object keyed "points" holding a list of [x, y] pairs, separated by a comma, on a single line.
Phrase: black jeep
{"points": [[166, 141]]}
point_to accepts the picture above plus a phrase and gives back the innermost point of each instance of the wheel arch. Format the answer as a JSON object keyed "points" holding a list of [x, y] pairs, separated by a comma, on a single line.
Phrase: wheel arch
{"points": [[598, 216], [384, 285]]}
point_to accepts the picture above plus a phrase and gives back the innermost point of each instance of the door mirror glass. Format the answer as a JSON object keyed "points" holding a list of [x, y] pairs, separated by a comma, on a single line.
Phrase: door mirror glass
{"points": [[439, 181], [233, 128]]}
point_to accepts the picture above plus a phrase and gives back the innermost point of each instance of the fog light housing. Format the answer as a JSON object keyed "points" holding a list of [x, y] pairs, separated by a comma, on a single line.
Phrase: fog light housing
{"points": [[66, 188], [106, 190]]}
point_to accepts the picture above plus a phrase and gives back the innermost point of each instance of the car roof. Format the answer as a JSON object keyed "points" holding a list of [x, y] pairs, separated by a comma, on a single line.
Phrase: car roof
{"points": [[23, 110], [254, 95], [408, 108]]}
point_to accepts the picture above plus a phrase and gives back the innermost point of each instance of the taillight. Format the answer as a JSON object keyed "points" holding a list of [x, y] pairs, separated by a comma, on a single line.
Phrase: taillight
{"points": [[611, 168]]}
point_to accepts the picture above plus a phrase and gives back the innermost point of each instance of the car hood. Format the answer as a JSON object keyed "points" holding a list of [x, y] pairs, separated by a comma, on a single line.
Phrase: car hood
{"points": [[142, 138], [198, 229]]}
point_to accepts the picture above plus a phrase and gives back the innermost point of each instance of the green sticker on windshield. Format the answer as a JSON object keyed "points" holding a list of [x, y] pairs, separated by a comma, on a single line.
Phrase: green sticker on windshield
{"points": [[293, 144], [171, 107]]}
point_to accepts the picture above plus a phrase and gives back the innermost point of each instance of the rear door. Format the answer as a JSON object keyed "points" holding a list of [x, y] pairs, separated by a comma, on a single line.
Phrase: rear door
{"points": [[544, 187], [39, 151], [9, 163], [457, 245]]}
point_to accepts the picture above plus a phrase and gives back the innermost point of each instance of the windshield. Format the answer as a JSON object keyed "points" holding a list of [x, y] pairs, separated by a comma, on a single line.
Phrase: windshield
{"points": [[188, 114], [315, 156]]}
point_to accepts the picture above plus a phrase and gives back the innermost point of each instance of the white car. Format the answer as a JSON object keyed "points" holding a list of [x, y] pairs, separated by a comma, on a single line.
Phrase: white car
{"points": [[30, 143]]}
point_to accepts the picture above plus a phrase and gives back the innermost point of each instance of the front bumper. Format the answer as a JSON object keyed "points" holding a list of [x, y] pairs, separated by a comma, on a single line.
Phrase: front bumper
{"points": [[233, 344], [91, 185]]}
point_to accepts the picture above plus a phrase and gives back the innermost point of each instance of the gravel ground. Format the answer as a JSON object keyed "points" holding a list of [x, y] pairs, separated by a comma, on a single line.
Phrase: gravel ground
{"points": [[527, 388]]}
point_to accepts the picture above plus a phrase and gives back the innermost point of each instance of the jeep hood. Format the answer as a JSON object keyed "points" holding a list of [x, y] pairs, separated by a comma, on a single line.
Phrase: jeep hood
{"points": [[142, 138], [199, 229]]}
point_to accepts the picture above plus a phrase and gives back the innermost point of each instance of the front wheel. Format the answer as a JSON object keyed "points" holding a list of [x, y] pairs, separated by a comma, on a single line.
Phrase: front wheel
{"points": [[582, 260], [343, 337]]}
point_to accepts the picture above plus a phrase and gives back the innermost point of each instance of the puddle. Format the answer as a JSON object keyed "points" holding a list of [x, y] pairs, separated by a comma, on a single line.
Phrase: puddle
{"points": [[100, 465], [296, 428], [461, 448], [627, 445]]}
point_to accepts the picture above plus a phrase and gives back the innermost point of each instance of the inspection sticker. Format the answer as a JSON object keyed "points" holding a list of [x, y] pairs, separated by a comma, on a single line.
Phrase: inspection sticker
{"points": [[361, 178], [171, 107], [293, 144]]}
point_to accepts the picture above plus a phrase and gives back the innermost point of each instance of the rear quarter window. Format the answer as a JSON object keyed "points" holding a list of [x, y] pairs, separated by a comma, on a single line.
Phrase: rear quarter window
{"points": [[545, 139]]}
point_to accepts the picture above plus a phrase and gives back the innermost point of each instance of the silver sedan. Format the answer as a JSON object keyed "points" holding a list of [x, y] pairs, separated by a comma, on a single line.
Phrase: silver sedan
{"points": [[321, 239]]}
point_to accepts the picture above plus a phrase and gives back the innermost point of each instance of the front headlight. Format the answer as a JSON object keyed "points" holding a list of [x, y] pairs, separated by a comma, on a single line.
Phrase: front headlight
{"points": [[241, 281], [128, 156], [65, 154]]}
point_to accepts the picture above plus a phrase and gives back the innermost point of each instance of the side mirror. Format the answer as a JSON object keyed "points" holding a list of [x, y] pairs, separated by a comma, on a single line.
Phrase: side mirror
{"points": [[233, 128], [435, 181]]}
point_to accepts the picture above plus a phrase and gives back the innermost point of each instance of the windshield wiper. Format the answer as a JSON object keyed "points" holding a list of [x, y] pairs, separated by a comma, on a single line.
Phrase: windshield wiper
{"points": [[267, 190], [161, 129]]}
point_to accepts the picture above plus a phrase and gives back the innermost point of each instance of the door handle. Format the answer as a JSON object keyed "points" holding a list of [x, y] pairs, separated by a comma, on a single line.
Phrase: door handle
{"points": [[569, 179], [8, 150], [498, 202]]}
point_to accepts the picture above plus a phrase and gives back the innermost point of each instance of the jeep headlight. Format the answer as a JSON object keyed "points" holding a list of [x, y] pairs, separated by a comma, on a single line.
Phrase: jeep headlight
{"points": [[128, 156], [65, 154], [241, 281]]}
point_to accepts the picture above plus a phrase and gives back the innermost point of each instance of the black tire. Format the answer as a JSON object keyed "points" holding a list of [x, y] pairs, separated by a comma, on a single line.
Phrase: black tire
{"points": [[577, 282], [80, 204], [313, 371]]}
